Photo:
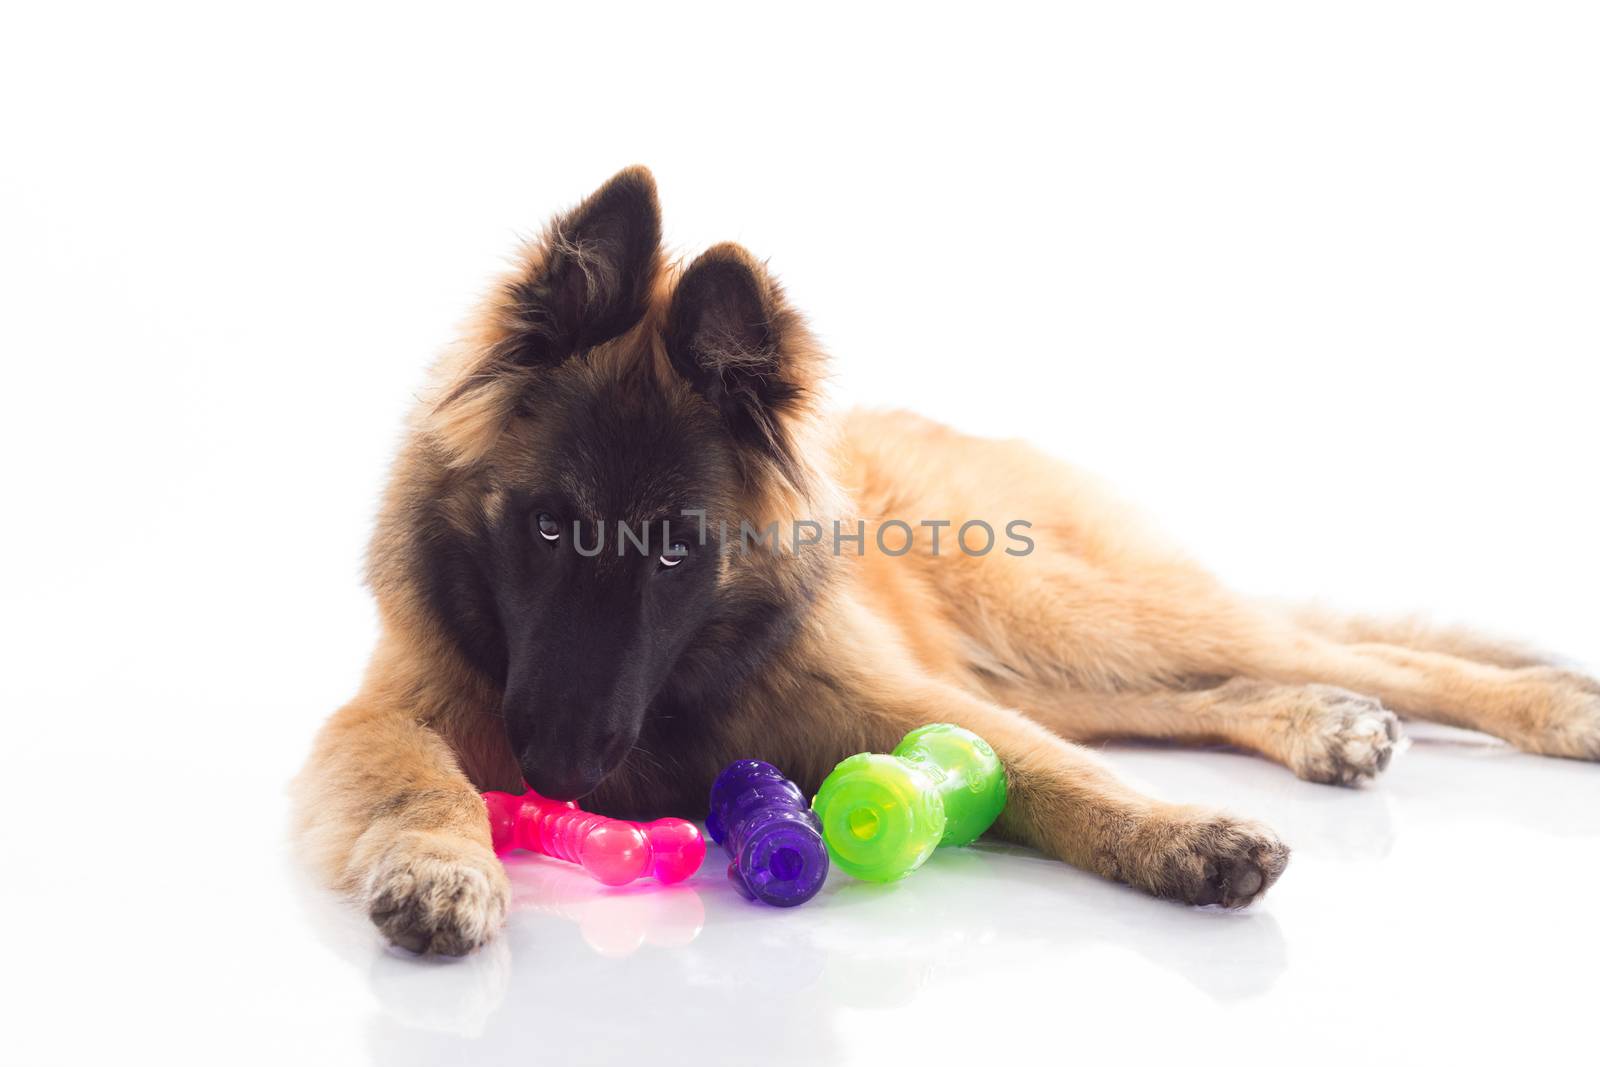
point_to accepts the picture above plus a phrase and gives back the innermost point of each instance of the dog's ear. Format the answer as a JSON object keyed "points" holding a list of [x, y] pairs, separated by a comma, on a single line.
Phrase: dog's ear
{"points": [[731, 336], [589, 279]]}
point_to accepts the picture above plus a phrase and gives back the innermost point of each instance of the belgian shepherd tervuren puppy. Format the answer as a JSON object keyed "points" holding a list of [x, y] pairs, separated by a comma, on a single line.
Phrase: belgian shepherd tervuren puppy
{"points": [[623, 545]]}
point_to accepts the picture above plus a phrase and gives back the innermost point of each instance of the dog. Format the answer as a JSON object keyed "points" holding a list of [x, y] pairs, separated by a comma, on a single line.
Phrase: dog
{"points": [[624, 544]]}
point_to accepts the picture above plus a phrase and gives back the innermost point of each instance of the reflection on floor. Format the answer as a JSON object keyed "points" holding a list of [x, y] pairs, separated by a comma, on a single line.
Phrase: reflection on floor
{"points": [[1394, 894]]}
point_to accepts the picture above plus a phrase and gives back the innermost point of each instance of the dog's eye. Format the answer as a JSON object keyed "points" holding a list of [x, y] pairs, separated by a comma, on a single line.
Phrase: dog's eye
{"points": [[549, 528], [675, 554]]}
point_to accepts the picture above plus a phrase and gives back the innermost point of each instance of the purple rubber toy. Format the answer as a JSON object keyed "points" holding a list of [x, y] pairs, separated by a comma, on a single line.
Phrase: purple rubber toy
{"points": [[774, 837]]}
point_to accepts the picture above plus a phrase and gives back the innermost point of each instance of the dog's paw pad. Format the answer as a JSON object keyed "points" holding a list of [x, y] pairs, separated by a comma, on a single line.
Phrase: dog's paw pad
{"points": [[1345, 738], [1209, 859], [434, 902]]}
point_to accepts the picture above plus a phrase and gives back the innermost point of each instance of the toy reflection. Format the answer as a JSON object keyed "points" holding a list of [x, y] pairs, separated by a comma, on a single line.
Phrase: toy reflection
{"points": [[614, 922]]}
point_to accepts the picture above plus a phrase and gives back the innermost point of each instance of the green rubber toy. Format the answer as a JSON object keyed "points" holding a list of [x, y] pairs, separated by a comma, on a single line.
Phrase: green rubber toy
{"points": [[882, 816]]}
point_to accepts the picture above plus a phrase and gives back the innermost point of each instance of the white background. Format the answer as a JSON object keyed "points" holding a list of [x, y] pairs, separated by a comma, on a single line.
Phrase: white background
{"points": [[1317, 285]]}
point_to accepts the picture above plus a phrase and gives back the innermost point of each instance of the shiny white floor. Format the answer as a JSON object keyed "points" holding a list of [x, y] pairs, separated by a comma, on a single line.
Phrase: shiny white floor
{"points": [[1448, 910], [1313, 284]]}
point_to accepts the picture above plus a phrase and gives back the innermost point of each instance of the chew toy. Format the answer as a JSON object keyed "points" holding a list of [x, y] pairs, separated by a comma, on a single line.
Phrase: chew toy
{"points": [[613, 851], [882, 816], [775, 841]]}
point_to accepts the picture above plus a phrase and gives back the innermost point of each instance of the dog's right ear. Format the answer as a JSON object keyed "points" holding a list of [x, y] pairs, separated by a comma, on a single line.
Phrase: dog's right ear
{"points": [[586, 281], [589, 279]]}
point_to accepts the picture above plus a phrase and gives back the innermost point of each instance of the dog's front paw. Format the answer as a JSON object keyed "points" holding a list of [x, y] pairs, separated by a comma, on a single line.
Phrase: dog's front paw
{"points": [[434, 893], [1202, 858], [1342, 738]]}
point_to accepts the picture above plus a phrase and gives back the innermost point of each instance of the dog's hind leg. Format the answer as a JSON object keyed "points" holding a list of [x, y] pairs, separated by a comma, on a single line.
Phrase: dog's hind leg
{"points": [[1320, 732], [1417, 634], [1288, 677], [1546, 710], [1038, 625], [1093, 654]]}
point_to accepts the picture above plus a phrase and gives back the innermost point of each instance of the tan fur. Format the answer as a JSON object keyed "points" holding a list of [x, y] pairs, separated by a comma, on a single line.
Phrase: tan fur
{"points": [[1103, 630]]}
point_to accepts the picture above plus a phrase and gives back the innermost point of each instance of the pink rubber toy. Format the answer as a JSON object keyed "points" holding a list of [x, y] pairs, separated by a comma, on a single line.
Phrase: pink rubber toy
{"points": [[613, 851]]}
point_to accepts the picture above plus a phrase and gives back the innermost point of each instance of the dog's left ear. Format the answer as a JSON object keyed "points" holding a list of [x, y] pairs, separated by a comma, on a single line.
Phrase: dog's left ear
{"points": [[732, 337]]}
